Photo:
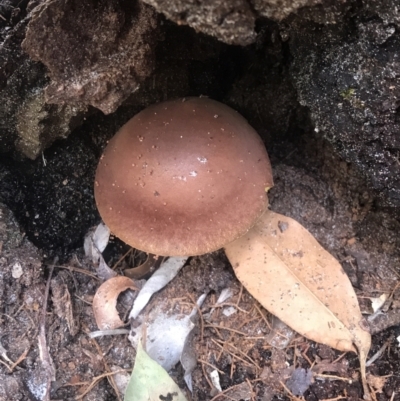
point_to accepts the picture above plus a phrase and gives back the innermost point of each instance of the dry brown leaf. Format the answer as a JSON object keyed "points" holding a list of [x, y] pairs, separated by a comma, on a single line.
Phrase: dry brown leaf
{"points": [[284, 267], [105, 300], [377, 382]]}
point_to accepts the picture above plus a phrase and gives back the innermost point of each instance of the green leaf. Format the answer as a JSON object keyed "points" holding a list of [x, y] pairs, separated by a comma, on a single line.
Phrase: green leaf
{"points": [[150, 382]]}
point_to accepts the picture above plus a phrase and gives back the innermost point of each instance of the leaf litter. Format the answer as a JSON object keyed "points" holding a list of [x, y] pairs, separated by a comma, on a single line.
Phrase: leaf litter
{"points": [[283, 266], [311, 294]]}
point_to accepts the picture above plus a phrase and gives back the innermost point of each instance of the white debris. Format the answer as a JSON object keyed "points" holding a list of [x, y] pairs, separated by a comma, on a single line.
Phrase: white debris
{"points": [[96, 241], [377, 303], [226, 293], [94, 244], [168, 337], [228, 311], [121, 379], [156, 282], [16, 270], [214, 376]]}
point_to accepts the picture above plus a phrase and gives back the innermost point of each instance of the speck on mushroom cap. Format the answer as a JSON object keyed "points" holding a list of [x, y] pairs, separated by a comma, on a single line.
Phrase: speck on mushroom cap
{"points": [[183, 177]]}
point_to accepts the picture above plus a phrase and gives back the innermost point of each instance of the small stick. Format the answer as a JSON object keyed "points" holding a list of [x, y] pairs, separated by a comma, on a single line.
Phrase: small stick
{"points": [[201, 318], [20, 359], [121, 258], [240, 295], [232, 354], [226, 328], [42, 342], [109, 377], [379, 353], [222, 305], [340, 397], [223, 393], [77, 269], [333, 377], [206, 376], [251, 390], [211, 366], [263, 317], [95, 381]]}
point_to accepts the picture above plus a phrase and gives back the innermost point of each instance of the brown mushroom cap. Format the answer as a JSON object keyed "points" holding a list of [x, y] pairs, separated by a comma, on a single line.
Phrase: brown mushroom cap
{"points": [[183, 177]]}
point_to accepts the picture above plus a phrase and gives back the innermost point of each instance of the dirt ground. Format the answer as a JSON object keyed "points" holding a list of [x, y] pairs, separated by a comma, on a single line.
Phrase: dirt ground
{"points": [[313, 186]]}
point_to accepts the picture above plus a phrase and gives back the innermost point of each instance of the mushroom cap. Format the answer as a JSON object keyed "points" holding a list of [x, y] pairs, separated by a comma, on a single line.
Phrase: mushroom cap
{"points": [[183, 177]]}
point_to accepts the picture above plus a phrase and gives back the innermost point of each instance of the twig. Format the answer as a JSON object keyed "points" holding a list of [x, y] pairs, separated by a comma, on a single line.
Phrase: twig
{"points": [[206, 376], [109, 377], [211, 366], [223, 304], [78, 270], [201, 318], [340, 397], [83, 300], [339, 358], [42, 342], [227, 328], [379, 353], [240, 352], [251, 390], [224, 393], [121, 258], [20, 359], [240, 295], [95, 381], [290, 394], [8, 367], [263, 317], [232, 354], [333, 377]]}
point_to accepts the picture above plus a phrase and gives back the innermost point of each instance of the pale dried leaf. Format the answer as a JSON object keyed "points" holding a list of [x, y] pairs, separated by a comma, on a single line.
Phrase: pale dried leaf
{"points": [[165, 333], [377, 382], [283, 266], [214, 377], [378, 302], [63, 305], [101, 236], [105, 301], [156, 282], [95, 243]]}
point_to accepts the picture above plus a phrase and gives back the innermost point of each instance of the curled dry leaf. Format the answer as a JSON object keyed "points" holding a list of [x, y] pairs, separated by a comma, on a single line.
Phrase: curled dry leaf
{"points": [[283, 266], [105, 301]]}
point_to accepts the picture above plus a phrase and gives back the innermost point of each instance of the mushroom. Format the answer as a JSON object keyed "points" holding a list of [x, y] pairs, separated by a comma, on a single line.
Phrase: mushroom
{"points": [[189, 176], [183, 177]]}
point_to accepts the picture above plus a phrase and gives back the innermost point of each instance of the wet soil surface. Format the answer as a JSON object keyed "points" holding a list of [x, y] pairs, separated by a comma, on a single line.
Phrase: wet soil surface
{"points": [[53, 207]]}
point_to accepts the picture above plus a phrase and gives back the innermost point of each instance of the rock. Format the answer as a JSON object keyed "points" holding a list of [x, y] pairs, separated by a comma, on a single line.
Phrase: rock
{"points": [[97, 53], [229, 21], [26, 121], [346, 75]]}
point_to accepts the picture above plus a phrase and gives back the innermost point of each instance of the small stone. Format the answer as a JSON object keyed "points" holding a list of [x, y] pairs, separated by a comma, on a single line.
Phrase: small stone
{"points": [[17, 271]]}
